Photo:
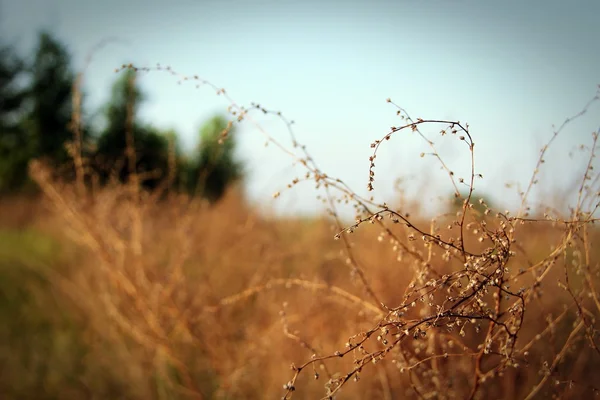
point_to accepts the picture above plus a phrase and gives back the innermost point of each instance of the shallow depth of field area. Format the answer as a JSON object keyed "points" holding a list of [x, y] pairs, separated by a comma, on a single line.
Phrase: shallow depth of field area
{"points": [[130, 270]]}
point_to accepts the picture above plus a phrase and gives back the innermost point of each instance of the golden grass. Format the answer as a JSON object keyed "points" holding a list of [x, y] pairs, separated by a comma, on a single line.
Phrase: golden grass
{"points": [[179, 299], [219, 302]]}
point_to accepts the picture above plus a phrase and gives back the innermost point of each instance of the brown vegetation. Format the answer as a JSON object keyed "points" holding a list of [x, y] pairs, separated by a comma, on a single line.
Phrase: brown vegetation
{"points": [[182, 299]]}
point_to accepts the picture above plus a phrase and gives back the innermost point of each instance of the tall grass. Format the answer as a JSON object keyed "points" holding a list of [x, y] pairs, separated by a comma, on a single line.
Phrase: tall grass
{"points": [[179, 299]]}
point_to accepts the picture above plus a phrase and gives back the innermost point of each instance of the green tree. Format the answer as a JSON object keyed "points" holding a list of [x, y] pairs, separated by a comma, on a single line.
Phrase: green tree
{"points": [[149, 144], [51, 93], [15, 145], [215, 167]]}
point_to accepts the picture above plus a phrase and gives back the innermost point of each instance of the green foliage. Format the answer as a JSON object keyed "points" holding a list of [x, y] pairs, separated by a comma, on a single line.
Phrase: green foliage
{"points": [[215, 167], [11, 97], [151, 147], [51, 94], [35, 123], [15, 144]]}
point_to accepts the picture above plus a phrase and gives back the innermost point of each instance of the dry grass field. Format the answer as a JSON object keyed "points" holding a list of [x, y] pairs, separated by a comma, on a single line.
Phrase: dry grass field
{"points": [[119, 293]]}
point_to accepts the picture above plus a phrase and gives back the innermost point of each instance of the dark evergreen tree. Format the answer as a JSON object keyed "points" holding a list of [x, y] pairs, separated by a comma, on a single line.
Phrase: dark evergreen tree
{"points": [[150, 146], [15, 144], [51, 98], [215, 168]]}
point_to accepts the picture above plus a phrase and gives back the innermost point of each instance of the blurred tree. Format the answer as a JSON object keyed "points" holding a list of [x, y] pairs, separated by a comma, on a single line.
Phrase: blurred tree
{"points": [[51, 93], [15, 144], [215, 167], [149, 145]]}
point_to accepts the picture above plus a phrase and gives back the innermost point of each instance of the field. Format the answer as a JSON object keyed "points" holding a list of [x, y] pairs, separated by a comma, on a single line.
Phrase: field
{"points": [[121, 293]]}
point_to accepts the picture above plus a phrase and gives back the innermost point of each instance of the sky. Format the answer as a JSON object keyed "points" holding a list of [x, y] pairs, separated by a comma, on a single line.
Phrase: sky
{"points": [[509, 69]]}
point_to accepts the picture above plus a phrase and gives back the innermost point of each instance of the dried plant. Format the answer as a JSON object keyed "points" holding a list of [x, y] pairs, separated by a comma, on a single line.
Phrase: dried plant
{"points": [[483, 304]]}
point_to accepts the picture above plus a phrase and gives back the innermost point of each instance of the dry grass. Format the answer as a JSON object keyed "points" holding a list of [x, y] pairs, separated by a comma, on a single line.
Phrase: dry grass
{"points": [[179, 299]]}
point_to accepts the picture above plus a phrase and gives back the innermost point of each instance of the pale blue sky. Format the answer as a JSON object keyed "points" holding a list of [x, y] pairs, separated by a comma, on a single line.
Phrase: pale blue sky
{"points": [[510, 69]]}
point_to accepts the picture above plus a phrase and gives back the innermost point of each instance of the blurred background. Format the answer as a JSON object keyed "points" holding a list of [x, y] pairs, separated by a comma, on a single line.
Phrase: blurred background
{"points": [[509, 70]]}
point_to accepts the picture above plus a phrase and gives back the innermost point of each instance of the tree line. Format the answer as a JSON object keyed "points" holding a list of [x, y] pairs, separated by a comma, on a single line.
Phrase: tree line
{"points": [[36, 122]]}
